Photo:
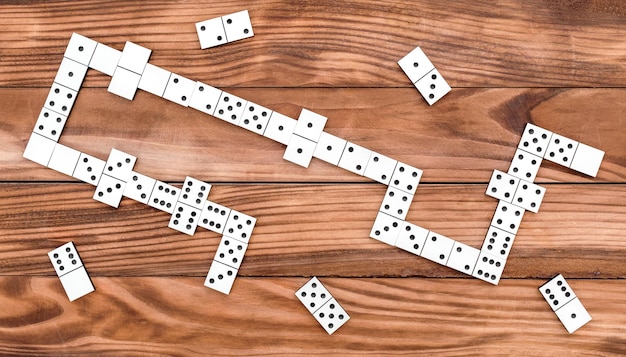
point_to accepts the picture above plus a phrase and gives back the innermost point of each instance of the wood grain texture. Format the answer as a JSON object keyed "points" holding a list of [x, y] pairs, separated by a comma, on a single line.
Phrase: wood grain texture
{"points": [[461, 139], [558, 64], [327, 43], [179, 317]]}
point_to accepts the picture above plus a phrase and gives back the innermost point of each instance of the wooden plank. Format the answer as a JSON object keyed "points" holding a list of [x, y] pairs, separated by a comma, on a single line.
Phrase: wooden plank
{"points": [[310, 230], [179, 316], [462, 139], [347, 44]]}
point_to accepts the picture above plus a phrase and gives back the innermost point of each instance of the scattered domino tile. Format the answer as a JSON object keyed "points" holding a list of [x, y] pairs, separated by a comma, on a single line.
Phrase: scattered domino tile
{"points": [[562, 300], [225, 29], [154, 79], [321, 304], [423, 74], [463, 258], [80, 49], [71, 271], [214, 217], [64, 159], [412, 238]]}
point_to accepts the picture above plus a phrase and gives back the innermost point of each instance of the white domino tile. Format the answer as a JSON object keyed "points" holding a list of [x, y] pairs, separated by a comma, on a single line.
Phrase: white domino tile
{"points": [[386, 228], [154, 79], [463, 258], [412, 238], [573, 315], [587, 160], [221, 277], [211, 33], [134, 57], [124, 83], [179, 89], [50, 124], [310, 125], [415, 64], [437, 248], [529, 196], [299, 151], [71, 271], [64, 159], [565, 304], [329, 148], [39, 149], [280, 128], [355, 158], [205, 98], [237, 26], [80, 49], [433, 87], [380, 168], [71, 74], [489, 268], [105, 59], [502, 186]]}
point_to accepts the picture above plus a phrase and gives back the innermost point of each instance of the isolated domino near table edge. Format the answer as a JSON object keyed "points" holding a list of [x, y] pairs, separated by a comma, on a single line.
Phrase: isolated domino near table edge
{"points": [[321, 304], [225, 29], [71, 271], [401, 178], [562, 300], [423, 74]]}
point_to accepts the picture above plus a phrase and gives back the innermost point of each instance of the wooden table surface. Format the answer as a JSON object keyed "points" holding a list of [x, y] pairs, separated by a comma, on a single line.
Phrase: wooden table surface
{"points": [[558, 64]]}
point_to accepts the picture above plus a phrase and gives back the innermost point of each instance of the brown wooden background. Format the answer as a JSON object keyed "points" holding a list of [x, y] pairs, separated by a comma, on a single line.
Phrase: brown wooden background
{"points": [[559, 64]]}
